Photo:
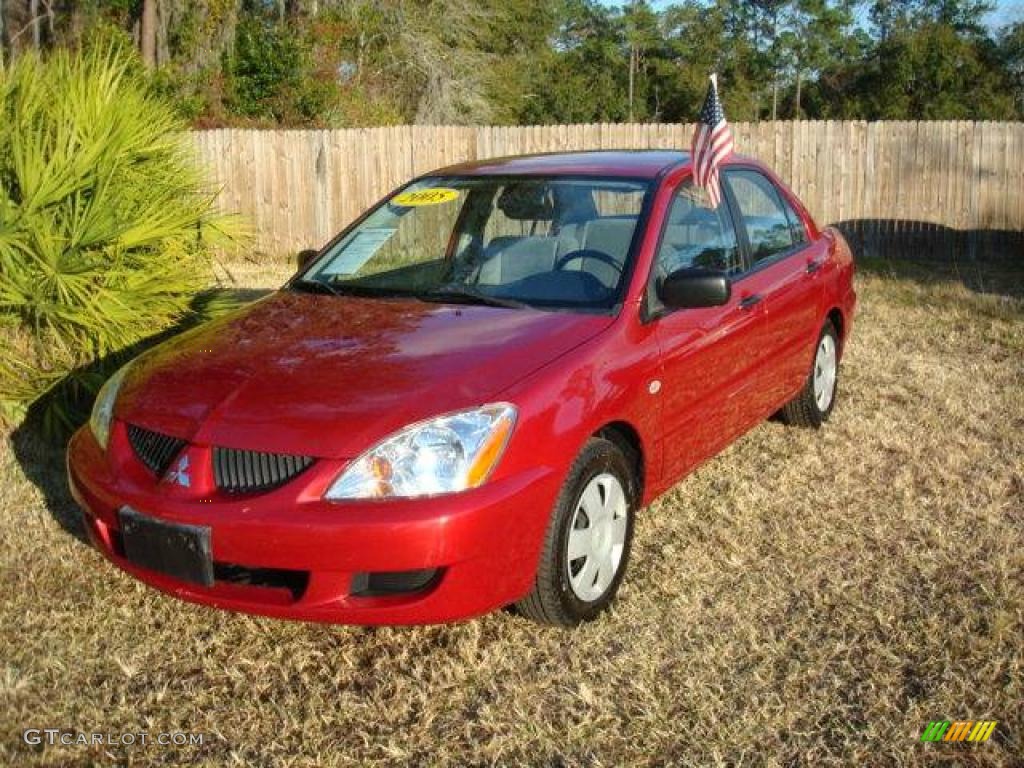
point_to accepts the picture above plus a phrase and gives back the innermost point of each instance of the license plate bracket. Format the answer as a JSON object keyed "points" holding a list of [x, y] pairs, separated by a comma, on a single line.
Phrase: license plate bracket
{"points": [[177, 550]]}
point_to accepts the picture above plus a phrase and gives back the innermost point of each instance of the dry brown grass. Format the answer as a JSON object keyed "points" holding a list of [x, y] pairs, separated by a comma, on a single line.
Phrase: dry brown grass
{"points": [[803, 599]]}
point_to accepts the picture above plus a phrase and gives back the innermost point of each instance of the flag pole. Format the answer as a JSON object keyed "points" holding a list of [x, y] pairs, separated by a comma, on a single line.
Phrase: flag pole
{"points": [[714, 80]]}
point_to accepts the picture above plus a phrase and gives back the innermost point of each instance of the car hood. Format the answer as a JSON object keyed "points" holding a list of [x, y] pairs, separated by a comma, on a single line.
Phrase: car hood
{"points": [[329, 376]]}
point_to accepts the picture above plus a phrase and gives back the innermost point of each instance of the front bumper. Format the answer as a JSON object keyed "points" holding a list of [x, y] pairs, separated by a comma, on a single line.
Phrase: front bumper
{"points": [[287, 553]]}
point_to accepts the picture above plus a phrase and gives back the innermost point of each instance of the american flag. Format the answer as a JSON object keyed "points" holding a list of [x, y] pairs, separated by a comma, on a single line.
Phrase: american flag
{"points": [[712, 143]]}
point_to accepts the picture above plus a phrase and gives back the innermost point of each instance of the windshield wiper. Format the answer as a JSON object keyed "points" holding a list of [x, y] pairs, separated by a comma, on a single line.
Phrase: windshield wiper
{"points": [[461, 294], [315, 286], [348, 289], [470, 296]]}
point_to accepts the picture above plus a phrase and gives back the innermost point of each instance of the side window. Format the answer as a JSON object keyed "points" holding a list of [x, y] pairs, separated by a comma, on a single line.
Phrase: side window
{"points": [[762, 214], [697, 235], [795, 222]]}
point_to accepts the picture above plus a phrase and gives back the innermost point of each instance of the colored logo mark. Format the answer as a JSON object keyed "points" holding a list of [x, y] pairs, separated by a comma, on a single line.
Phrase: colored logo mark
{"points": [[959, 730], [179, 474]]}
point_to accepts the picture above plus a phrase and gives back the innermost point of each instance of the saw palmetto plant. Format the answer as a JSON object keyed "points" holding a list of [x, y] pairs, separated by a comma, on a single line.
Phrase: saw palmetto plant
{"points": [[107, 227]]}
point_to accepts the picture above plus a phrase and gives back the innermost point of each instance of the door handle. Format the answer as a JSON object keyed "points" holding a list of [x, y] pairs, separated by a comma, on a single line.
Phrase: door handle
{"points": [[751, 301], [814, 266]]}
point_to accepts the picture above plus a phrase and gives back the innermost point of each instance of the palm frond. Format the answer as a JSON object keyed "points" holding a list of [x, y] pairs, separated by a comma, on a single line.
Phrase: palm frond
{"points": [[107, 225]]}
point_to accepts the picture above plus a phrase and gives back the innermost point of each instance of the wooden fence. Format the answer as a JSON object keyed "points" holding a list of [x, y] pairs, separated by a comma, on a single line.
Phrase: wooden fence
{"points": [[907, 189]]}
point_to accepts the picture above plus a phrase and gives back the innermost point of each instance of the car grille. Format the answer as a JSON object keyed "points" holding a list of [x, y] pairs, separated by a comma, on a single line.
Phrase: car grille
{"points": [[269, 578], [154, 449], [238, 471]]}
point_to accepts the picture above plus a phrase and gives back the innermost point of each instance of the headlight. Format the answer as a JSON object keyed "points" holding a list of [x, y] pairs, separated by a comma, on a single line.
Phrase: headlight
{"points": [[103, 408], [443, 455]]}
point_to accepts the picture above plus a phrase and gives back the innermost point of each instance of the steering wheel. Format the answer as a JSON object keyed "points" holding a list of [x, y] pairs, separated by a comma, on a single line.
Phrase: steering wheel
{"points": [[588, 253]]}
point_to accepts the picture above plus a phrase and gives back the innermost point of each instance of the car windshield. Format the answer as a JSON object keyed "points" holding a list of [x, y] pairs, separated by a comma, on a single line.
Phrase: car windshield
{"points": [[553, 242]]}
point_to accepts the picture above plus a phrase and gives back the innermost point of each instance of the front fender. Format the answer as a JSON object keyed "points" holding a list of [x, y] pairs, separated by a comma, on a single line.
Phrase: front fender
{"points": [[613, 378]]}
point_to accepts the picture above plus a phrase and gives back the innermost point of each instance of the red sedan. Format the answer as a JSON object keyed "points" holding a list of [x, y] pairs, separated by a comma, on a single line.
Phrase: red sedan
{"points": [[463, 401]]}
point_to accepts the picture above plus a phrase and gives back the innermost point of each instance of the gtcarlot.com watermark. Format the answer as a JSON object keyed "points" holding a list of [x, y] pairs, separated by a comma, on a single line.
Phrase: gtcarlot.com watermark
{"points": [[56, 736]]}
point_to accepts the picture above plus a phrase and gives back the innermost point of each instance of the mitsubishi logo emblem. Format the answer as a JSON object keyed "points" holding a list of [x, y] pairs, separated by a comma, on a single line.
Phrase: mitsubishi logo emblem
{"points": [[179, 474]]}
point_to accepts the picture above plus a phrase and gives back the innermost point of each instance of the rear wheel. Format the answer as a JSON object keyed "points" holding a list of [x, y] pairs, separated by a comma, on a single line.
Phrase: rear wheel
{"points": [[587, 544], [812, 407]]}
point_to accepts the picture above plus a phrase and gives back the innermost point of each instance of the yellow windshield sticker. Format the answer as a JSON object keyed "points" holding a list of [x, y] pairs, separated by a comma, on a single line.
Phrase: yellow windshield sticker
{"points": [[434, 196]]}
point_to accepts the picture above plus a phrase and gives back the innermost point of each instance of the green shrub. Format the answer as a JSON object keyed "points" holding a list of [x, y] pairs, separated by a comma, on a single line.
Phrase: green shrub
{"points": [[106, 226], [271, 75]]}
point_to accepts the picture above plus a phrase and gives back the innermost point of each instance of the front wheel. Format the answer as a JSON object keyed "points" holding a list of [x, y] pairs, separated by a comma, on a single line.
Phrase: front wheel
{"points": [[812, 407], [587, 544]]}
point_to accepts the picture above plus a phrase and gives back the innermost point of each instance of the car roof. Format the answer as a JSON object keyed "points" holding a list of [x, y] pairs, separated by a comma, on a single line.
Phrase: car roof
{"points": [[627, 163]]}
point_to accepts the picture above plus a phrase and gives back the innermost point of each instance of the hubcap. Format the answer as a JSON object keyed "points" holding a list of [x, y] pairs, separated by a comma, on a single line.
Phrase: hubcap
{"points": [[597, 537], [825, 372]]}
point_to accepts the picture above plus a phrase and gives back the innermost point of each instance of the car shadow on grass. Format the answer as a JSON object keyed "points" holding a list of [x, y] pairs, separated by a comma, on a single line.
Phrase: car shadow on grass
{"points": [[39, 445], [985, 261]]}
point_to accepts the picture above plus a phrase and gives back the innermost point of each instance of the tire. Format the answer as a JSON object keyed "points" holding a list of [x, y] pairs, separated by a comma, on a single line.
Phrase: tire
{"points": [[568, 591], [812, 407]]}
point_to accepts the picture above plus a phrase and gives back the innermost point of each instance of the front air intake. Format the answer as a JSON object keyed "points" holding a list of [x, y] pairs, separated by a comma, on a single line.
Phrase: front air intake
{"points": [[240, 471], [154, 449]]}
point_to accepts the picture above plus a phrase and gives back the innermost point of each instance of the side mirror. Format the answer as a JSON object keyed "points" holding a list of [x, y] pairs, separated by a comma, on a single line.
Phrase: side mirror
{"points": [[696, 287], [304, 257]]}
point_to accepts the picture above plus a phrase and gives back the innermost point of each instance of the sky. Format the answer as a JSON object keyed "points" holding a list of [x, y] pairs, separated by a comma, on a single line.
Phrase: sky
{"points": [[1006, 11]]}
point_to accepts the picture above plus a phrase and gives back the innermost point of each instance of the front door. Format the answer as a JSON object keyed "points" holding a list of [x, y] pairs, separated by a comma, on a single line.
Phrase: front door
{"points": [[707, 354]]}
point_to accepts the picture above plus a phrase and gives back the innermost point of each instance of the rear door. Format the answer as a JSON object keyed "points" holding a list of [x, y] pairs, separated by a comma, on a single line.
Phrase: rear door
{"points": [[782, 278], [707, 353]]}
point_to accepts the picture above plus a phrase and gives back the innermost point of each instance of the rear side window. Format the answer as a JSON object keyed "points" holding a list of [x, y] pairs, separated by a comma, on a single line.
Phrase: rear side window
{"points": [[762, 214], [795, 222]]}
